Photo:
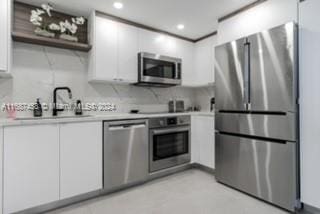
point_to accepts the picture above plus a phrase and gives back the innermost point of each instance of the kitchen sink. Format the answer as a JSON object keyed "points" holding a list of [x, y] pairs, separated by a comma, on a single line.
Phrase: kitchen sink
{"points": [[53, 117]]}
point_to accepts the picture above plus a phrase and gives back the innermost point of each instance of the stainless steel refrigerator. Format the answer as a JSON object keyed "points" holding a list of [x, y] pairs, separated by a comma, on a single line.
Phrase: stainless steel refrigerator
{"points": [[257, 115]]}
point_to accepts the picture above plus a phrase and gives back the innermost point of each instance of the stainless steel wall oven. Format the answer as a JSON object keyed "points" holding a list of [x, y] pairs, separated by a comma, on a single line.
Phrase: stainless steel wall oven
{"points": [[169, 142]]}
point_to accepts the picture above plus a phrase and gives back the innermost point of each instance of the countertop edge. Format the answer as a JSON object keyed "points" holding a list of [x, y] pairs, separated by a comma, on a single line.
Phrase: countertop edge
{"points": [[96, 118]]}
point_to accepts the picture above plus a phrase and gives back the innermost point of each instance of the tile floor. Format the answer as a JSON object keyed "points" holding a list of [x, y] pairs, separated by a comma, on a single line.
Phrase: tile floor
{"points": [[191, 191]]}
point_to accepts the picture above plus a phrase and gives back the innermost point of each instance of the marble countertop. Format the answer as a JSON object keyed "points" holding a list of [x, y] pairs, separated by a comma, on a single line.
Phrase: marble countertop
{"points": [[113, 116]]}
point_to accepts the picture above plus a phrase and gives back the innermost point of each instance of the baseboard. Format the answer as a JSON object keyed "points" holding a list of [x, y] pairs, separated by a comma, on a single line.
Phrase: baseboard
{"points": [[203, 168], [310, 209]]}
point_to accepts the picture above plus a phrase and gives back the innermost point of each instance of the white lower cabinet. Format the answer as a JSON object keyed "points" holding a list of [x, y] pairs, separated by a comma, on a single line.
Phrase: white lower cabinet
{"points": [[80, 158], [203, 140], [31, 166], [1, 167]]}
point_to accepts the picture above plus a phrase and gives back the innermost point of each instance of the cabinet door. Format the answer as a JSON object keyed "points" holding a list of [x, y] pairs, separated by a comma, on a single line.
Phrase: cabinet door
{"points": [[195, 143], [185, 51], [207, 142], [31, 166], [128, 53], [203, 60], [106, 50], [4, 13], [156, 43], [309, 101], [80, 158], [1, 167], [204, 140]]}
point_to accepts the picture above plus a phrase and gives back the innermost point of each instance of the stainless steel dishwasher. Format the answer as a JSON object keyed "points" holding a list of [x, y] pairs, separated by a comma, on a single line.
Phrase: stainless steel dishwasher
{"points": [[125, 153]]}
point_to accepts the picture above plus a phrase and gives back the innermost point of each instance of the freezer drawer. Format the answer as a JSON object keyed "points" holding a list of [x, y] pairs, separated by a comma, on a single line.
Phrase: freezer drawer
{"points": [[277, 126], [263, 169]]}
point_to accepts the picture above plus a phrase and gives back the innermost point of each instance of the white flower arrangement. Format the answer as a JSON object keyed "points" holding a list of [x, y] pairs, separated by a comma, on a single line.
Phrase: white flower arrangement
{"points": [[66, 28], [35, 17], [47, 8]]}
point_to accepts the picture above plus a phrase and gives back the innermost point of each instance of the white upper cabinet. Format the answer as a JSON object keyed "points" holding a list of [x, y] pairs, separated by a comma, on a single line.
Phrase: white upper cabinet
{"points": [[80, 158], [157, 43], [204, 61], [128, 53], [31, 166], [114, 55], [4, 35], [104, 54], [185, 51]]}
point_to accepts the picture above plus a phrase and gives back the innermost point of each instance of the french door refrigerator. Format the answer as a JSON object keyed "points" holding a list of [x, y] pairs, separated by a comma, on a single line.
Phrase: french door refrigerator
{"points": [[257, 115]]}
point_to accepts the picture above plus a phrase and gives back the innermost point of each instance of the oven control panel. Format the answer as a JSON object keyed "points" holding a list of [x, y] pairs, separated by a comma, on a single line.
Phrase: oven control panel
{"points": [[169, 121], [172, 121]]}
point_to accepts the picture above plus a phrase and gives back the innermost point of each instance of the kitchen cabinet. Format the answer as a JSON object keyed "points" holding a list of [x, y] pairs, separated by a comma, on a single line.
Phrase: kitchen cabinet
{"points": [[31, 166], [185, 51], [104, 53], [128, 53], [1, 167], [4, 36], [153, 42], [80, 158], [204, 62], [309, 101], [203, 140], [113, 57]]}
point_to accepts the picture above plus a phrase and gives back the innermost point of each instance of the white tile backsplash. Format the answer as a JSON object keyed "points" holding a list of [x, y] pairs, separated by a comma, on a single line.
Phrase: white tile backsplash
{"points": [[37, 70]]}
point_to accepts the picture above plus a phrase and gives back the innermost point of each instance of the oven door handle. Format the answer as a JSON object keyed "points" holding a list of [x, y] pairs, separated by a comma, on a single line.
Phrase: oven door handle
{"points": [[170, 130]]}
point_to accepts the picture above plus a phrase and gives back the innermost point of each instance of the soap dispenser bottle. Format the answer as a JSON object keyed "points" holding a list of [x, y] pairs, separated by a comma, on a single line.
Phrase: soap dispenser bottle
{"points": [[78, 109], [37, 111]]}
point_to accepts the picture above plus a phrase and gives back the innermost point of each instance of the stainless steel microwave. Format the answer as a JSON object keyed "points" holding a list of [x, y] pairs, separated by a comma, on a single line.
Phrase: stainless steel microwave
{"points": [[158, 71]]}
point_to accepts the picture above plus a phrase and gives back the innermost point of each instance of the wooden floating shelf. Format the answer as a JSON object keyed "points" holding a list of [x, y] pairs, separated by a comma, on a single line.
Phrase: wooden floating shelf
{"points": [[52, 42], [23, 29]]}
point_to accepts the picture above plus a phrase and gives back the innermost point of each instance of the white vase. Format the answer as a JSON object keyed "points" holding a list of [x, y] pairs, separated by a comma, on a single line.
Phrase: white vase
{"points": [[41, 32], [69, 37]]}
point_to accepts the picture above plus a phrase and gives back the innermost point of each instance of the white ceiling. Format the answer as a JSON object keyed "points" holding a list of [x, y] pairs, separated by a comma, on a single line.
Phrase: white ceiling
{"points": [[198, 16]]}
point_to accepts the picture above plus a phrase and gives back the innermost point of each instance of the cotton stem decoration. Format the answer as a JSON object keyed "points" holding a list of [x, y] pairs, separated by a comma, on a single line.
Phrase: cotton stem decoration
{"points": [[66, 29]]}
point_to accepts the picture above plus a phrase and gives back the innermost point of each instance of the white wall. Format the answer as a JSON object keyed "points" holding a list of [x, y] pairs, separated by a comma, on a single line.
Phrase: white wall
{"points": [[310, 102], [264, 16]]}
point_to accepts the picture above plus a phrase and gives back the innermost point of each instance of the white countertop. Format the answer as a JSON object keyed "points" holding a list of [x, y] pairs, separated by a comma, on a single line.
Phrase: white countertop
{"points": [[112, 116]]}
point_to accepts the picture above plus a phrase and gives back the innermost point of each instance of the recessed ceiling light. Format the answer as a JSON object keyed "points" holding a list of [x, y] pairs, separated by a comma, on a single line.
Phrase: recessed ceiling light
{"points": [[180, 26], [118, 5]]}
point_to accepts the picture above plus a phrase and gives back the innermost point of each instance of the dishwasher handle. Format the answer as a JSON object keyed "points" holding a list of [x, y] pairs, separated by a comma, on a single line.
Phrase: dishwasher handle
{"points": [[127, 126]]}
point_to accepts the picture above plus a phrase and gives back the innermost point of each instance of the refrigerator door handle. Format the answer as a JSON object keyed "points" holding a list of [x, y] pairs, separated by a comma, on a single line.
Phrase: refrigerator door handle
{"points": [[247, 75]]}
